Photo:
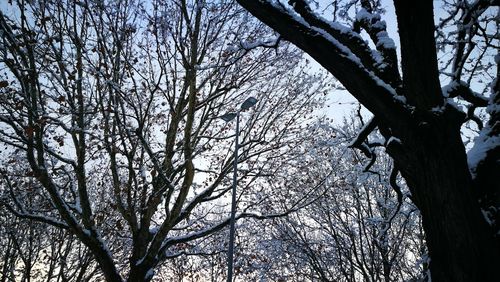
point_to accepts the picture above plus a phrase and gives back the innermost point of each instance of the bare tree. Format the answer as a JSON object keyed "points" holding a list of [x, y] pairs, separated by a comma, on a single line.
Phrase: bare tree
{"points": [[360, 223], [109, 117], [364, 226], [417, 117]]}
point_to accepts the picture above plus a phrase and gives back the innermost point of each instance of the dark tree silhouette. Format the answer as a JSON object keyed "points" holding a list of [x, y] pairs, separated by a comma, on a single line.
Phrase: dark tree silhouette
{"points": [[457, 196]]}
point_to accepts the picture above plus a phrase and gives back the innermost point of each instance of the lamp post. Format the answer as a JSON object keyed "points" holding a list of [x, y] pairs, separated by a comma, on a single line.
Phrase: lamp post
{"points": [[249, 102]]}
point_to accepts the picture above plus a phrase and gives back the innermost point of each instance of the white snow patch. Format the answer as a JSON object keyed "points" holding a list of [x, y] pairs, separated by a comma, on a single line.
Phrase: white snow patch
{"points": [[451, 102], [385, 41], [482, 144], [150, 273], [449, 88], [393, 139], [487, 217], [364, 15]]}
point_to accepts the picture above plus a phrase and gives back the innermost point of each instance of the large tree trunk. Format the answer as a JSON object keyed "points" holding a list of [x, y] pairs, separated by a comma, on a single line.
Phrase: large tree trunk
{"points": [[140, 273], [461, 246], [433, 162]]}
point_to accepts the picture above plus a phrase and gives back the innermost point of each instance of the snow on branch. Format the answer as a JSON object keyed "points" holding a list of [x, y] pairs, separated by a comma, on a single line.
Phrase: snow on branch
{"points": [[460, 88], [343, 34], [36, 217], [349, 58]]}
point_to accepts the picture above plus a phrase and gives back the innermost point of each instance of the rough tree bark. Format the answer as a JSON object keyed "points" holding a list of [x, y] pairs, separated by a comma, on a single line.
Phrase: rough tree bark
{"points": [[424, 142]]}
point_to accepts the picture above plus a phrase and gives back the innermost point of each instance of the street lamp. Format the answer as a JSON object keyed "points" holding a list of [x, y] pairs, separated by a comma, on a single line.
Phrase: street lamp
{"points": [[249, 102]]}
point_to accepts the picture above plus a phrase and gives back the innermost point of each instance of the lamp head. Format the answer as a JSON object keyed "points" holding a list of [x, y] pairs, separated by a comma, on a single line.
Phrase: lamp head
{"points": [[228, 117], [249, 102]]}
